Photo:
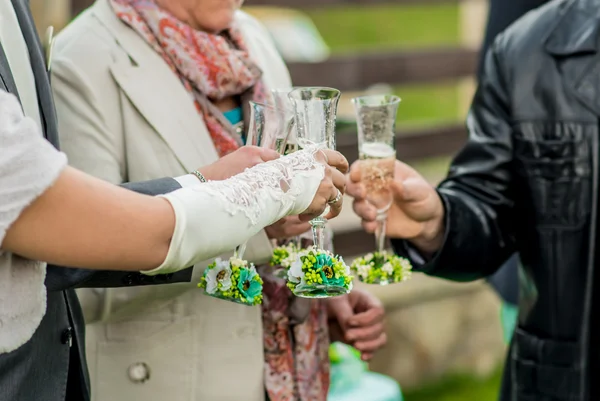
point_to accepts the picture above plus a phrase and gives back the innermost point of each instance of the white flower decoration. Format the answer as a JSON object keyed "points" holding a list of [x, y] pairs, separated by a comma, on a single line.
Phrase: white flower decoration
{"points": [[363, 271], [346, 267], [221, 273], [237, 262], [387, 268], [295, 271]]}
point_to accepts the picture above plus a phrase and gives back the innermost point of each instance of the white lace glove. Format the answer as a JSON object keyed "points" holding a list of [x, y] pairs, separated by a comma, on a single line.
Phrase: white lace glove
{"points": [[219, 215]]}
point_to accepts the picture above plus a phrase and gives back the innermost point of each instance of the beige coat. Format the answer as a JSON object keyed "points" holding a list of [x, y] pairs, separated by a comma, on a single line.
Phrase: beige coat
{"points": [[124, 116]]}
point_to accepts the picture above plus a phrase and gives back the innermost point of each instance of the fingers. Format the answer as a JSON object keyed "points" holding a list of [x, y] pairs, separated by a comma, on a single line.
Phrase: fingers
{"points": [[355, 172], [335, 208], [267, 154], [366, 333], [339, 180], [287, 227], [355, 189], [369, 227], [367, 348], [294, 229], [365, 210], [336, 160], [371, 316]]}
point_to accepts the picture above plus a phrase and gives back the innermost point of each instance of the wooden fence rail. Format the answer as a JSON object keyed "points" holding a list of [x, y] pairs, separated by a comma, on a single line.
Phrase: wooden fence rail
{"points": [[358, 71]]}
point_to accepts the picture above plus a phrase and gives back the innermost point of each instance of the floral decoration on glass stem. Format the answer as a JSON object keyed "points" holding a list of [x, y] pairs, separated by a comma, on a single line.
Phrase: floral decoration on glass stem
{"points": [[283, 257], [317, 273], [381, 268], [234, 280]]}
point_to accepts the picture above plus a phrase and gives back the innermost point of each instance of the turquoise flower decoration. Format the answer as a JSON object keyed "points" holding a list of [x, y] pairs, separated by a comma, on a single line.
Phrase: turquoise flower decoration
{"points": [[247, 286], [324, 266]]}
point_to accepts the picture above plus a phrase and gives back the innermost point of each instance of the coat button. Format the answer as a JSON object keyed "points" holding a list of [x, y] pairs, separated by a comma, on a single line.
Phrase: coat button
{"points": [[67, 336], [139, 372]]}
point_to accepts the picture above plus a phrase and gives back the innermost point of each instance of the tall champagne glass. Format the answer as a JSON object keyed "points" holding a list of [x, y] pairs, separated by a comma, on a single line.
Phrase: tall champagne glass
{"points": [[376, 119], [283, 102], [269, 128], [317, 273], [315, 111]]}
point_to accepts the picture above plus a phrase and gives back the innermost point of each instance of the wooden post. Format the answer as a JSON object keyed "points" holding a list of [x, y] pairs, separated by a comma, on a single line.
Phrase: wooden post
{"points": [[78, 6], [473, 17]]}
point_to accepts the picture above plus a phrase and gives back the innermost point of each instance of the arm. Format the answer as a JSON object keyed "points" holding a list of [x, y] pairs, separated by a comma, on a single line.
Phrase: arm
{"points": [[477, 195], [68, 218], [93, 135], [59, 278]]}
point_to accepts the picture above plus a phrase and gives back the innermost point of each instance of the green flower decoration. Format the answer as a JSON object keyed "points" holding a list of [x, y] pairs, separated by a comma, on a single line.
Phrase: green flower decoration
{"points": [[284, 256], [319, 272], [382, 268], [248, 286], [234, 280]]}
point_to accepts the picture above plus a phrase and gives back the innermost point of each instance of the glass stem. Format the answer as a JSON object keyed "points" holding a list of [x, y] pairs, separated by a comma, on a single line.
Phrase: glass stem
{"points": [[296, 241], [318, 230], [240, 250], [380, 231]]}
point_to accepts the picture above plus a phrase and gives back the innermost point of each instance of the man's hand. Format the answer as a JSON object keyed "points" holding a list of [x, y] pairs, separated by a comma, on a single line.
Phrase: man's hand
{"points": [[417, 213], [357, 319], [236, 162], [288, 227]]}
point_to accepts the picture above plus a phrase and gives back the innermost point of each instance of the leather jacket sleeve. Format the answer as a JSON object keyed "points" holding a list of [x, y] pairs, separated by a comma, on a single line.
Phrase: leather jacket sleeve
{"points": [[477, 194]]}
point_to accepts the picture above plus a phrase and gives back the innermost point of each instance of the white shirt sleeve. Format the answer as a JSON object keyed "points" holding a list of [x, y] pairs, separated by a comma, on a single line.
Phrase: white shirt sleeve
{"points": [[219, 215], [188, 180], [28, 163]]}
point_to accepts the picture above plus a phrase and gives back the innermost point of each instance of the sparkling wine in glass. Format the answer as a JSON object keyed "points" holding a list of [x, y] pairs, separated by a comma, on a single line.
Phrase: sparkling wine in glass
{"points": [[376, 119]]}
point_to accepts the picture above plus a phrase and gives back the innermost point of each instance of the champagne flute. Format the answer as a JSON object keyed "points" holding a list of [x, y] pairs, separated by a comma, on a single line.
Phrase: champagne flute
{"points": [[269, 128], [317, 273], [235, 279], [282, 101], [376, 119], [315, 111]]}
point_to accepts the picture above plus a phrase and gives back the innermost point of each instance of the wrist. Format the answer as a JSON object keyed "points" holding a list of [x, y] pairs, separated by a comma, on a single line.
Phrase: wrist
{"points": [[431, 239], [199, 176]]}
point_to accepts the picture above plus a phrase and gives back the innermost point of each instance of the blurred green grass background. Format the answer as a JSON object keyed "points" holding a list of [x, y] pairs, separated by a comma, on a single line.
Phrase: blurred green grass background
{"points": [[410, 27], [399, 27]]}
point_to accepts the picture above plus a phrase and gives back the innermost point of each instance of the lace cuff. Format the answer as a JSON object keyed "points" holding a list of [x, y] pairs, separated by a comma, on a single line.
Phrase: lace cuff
{"points": [[217, 216]]}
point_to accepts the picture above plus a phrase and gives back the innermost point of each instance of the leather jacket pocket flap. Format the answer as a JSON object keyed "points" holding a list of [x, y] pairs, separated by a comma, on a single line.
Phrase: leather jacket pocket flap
{"points": [[545, 367], [545, 149]]}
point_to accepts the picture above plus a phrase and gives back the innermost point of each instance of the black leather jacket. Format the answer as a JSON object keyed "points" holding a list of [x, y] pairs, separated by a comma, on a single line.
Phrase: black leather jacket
{"points": [[527, 181]]}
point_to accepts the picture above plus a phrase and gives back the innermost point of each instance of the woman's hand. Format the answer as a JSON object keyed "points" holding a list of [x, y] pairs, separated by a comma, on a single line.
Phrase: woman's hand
{"points": [[236, 162], [333, 186]]}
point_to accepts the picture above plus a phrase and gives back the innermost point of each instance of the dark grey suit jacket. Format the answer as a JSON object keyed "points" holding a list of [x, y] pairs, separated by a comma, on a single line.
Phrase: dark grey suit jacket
{"points": [[52, 365]]}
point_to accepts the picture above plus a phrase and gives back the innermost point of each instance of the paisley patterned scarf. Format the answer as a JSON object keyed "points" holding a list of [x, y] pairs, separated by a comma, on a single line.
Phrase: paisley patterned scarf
{"points": [[211, 67]]}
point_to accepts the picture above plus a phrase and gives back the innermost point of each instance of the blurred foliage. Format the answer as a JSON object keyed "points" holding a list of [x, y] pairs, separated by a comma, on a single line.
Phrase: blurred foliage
{"points": [[399, 27], [427, 104], [459, 388], [381, 27]]}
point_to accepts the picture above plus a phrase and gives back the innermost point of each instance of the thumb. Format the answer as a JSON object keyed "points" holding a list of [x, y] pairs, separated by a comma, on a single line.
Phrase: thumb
{"points": [[411, 190], [268, 154]]}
